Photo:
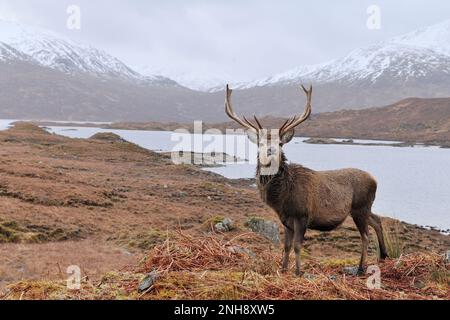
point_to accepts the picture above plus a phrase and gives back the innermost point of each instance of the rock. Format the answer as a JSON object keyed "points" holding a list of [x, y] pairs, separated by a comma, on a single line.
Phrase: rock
{"points": [[226, 225], [148, 281], [219, 227], [447, 257], [266, 228], [351, 271]]}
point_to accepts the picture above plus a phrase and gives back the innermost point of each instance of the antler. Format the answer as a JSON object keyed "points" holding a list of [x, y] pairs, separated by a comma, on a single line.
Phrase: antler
{"points": [[294, 122], [243, 122]]}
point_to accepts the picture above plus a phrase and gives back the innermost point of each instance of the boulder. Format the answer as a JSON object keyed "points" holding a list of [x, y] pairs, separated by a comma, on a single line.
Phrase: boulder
{"points": [[226, 225], [350, 271], [266, 228]]}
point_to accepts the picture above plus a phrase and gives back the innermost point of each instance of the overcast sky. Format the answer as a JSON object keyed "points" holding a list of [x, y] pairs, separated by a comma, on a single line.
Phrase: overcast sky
{"points": [[244, 39]]}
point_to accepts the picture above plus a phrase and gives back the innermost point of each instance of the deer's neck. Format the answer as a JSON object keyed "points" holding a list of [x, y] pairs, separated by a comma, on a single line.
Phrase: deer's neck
{"points": [[270, 185]]}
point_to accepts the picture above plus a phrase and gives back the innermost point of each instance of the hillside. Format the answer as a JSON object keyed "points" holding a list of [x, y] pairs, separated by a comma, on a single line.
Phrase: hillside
{"points": [[105, 204], [31, 91], [411, 120]]}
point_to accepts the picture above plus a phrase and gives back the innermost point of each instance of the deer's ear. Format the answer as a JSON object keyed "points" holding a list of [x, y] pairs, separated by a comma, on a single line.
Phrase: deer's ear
{"points": [[287, 136], [252, 136]]}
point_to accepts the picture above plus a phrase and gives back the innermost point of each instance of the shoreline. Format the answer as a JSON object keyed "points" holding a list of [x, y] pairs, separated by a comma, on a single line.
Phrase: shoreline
{"points": [[157, 126]]}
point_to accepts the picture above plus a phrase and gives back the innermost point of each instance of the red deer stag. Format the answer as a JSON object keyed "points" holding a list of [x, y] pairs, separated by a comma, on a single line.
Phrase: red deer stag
{"points": [[304, 198]]}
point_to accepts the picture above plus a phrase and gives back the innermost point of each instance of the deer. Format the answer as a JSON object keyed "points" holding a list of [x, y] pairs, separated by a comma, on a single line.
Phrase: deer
{"points": [[304, 198]]}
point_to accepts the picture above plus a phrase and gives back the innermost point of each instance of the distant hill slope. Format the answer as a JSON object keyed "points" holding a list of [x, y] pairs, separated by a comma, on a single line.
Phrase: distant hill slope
{"points": [[411, 120], [30, 91]]}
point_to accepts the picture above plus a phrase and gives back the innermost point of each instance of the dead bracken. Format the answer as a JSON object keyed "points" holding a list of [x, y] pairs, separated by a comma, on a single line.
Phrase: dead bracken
{"points": [[206, 267]]}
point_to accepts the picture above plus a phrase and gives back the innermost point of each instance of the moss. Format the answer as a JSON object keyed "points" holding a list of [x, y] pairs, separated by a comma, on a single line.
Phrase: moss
{"points": [[150, 239], [13, 231], [341, 262], [252, 221], [37, 290], [11, 224], [8, 235]]}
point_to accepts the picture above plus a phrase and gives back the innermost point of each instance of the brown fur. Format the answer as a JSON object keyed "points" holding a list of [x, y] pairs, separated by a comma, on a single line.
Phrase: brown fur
{"points": [[304, 198]]}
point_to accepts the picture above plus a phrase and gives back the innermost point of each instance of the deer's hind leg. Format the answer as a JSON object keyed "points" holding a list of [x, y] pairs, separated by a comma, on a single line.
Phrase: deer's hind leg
{"points": [[375, 223], [361, 219]]}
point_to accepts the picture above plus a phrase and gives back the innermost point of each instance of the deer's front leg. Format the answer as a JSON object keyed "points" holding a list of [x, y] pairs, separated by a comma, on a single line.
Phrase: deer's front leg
{"points": [[288, 237], [300, 226]]}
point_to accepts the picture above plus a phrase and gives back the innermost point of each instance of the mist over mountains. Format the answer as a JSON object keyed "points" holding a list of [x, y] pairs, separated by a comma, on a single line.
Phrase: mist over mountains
{"points": [[46, 76]]}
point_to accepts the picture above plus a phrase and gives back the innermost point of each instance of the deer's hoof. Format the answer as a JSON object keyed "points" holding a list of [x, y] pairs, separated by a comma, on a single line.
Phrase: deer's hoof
{"points": [[299, 273], [361, 272]]}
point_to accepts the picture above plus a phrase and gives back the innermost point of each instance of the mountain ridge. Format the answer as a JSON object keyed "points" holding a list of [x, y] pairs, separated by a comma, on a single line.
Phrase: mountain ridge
{"points": [[373, 76], [50, 49]]}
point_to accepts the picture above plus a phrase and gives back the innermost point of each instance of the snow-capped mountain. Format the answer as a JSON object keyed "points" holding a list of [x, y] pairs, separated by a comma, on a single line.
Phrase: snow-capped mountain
{"points": [[416, 64], [418, 54], [370, 64], [56, 51], [8, 53], [435, 37]]}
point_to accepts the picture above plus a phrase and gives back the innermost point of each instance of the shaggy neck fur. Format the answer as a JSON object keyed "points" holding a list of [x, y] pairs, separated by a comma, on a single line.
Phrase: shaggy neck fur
{"points": [[272, 182]]}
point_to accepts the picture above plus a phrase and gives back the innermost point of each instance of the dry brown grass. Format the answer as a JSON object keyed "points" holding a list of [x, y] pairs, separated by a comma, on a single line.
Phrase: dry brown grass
{"points": [[210, 268]]}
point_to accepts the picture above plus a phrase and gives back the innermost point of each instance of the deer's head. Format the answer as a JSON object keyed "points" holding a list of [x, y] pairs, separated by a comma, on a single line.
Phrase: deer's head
{"points": [[269, 142]]}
